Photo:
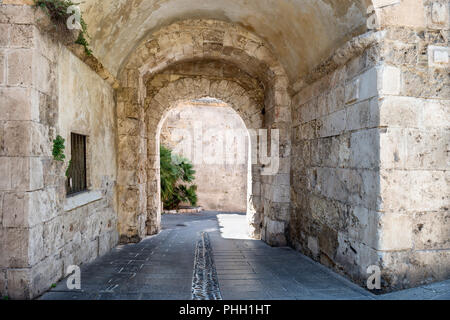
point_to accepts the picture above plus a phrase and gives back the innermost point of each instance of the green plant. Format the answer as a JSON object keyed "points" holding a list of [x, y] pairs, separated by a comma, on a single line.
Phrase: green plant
{"points": [[58, 149], [58, 13], [174, 171], [68, 168], [5, 298]]}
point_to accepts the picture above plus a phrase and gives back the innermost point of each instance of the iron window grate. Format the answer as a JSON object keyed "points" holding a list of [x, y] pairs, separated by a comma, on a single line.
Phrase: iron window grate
{"points": [[76, 174]]}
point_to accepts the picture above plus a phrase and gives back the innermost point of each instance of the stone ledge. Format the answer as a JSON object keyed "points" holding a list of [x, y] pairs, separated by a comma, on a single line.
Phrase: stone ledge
{"points": [[82, 199]]}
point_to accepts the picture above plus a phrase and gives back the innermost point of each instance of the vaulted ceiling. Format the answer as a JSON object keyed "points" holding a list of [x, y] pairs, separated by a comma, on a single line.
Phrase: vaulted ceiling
{"points": [[301, 33]]}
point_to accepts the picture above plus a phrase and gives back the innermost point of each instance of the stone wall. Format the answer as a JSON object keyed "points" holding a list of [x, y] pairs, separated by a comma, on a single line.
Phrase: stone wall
{"points": [[370, 175], [46, 91], [414, 113], [222, 185], [335, 167]]}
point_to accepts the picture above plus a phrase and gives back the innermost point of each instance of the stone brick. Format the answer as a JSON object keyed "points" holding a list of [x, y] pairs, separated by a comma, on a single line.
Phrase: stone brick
{"points": [[431, 230], [18, 103], [401, 112], [440, 13], [436, 114], [21, 36], [27, 209], [427, 149], [2, 67], [412, 190], [17, 14], [358, 116], [25, 138], [365, 149], [26, 174], [393, 148], [53, 236], [19, 283], [16, 246], [4, 35], [20, 65], [5, 173], [396, 232], [3, 282]]}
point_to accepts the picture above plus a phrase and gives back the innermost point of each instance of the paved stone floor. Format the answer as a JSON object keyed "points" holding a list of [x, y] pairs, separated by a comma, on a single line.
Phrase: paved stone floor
{"points": [[161, 267]]}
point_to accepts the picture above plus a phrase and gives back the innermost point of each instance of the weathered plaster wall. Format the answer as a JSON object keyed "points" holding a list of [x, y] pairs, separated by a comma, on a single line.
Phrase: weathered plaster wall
{"points": [[86, 106], [40, 81], [222, 185]]}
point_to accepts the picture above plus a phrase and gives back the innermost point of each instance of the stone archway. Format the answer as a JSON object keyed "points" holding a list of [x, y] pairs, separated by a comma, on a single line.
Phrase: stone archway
{"points": [[184, 42], [189, 89]]}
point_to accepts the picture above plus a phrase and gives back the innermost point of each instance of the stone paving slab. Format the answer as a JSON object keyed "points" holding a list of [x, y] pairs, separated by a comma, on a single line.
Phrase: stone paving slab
{"points": [[161, 268]]}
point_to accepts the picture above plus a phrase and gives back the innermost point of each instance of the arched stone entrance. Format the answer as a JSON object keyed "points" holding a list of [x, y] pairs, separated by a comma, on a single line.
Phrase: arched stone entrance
{"points": [[189, 90], [172, 66]]}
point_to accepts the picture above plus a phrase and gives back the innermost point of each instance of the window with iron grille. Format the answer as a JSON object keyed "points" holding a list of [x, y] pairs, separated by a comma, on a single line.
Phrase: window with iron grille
{"points": [[76, 173]]}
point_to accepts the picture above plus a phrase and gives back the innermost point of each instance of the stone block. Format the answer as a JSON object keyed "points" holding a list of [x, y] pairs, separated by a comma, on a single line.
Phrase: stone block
{"points": [[16, 248], [5, 173], [3, 282], [365, 149], [427, 149], [362, 226], [418, 190], [392, 148], [19, 284], [21, 36], [4, 35], [313, 246], [389, 82], [26, 138], [438, 56], [436, 114], [46, 273], [20, 67], [359, 116], [2, 68], [274, 233], [333, 124], [352, 91], [401, 112], [368, 86], [53, 236], [44, 77], [431, 230], [440, 13], [18, 103], [17, 14], [396, 232], [26, 174]]}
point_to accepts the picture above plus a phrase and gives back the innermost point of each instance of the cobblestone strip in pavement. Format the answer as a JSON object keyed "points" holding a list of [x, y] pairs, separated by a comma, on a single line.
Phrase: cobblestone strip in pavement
{"points": [[205, 285]]}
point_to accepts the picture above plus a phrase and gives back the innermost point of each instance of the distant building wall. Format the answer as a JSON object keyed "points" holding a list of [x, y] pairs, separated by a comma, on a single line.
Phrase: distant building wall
{"points": [[222, 186]]}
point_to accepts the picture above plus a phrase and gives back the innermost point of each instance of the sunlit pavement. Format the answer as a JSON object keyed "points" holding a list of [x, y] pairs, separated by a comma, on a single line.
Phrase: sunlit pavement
{"points": [[161, 267]]}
